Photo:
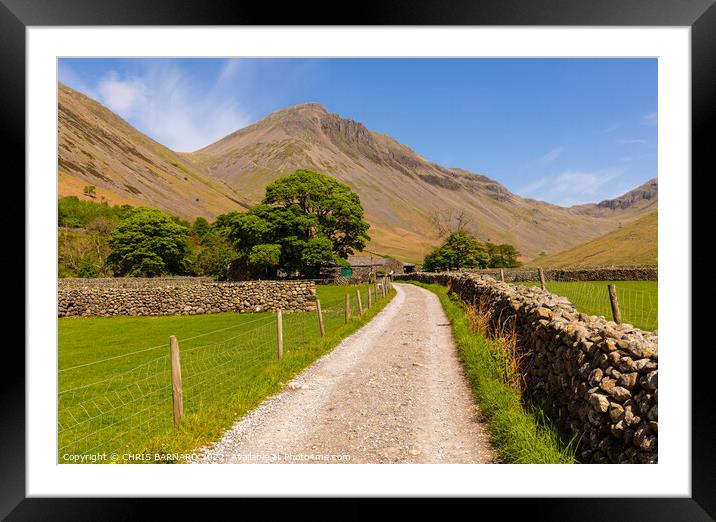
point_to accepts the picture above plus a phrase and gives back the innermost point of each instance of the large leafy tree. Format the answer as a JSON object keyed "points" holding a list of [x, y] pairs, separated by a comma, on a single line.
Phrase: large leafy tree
{"points": [[502, 256], [460, 250], [215, 254], [148, 243], [306, 220]]}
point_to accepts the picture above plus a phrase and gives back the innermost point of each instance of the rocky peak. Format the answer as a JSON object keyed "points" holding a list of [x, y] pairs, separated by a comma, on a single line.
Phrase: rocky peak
{"points": [[647, 191], [341, 130]]}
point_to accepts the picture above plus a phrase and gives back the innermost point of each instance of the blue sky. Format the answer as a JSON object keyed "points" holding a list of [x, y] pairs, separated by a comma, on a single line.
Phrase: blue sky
{"points": [[567, 131]]}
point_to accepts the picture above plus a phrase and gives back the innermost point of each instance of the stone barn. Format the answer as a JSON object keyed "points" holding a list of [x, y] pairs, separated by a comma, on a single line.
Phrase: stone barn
{"points": [[363, 268]]}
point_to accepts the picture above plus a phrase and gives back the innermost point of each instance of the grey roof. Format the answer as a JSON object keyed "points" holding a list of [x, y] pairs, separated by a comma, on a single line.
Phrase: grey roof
{"points": [[367, 261]]}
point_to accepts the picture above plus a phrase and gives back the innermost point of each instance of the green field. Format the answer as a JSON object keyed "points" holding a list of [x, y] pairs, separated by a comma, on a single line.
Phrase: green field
{"points": [[638, 300], [114, 386]]}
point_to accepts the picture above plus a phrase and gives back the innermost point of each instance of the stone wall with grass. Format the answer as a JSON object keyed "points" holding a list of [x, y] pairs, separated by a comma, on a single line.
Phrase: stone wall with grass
{"points": [[179, 296], [597, 379], [635, 273]]}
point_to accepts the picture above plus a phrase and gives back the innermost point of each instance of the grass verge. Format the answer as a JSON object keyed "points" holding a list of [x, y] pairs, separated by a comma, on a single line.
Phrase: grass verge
{"points": [[521, 433]]}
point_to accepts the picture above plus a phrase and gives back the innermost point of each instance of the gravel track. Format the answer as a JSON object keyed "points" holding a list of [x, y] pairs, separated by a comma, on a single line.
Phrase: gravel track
{"points": [[393, 392]]}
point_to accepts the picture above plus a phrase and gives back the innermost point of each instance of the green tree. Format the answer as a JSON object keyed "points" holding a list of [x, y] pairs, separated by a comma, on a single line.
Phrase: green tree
{"points": [[336, 208], [460, 250], [502, 256], [200, 227], [72, 212], [148, 243], [307, 220], [224, 223], [265, 256], [216, 253], [437, 260]]}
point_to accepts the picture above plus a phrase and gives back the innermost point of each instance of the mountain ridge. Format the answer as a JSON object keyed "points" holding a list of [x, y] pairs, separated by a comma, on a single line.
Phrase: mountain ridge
{"points": [[401, 191], [642, 198], [98, 148]]}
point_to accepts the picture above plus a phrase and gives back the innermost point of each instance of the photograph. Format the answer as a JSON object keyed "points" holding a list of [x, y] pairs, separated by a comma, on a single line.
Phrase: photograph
{"points": [[415, 255], [357, 260]]}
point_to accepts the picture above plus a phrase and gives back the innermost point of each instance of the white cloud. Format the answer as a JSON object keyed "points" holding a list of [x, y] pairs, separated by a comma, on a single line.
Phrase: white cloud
{"points": [[551, 156], [122, 96], [173, 107], [229, 70], [69, 76], [633, 141], [611, 128], [572, 187], [650, 118]]}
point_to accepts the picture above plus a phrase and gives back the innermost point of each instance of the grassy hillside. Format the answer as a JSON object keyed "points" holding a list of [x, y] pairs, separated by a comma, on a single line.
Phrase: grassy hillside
{"points": [[97, 148], [633, 244]]}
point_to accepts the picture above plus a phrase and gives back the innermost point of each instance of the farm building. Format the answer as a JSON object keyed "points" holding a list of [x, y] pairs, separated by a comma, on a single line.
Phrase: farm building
{"points": [[362, 268]]}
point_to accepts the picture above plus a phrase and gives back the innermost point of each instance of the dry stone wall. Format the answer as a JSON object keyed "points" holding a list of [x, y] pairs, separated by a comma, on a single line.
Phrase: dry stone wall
{"points": [[597, 378], [179, 296], [636, 273]]}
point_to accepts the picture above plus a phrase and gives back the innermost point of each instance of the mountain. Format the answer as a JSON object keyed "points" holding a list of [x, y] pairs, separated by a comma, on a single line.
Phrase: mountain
{"points": [[632, 244], [401, 191], [638, 201], [97, 147]]}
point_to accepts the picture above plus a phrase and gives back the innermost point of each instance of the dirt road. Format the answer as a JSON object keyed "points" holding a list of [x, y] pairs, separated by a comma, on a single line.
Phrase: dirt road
{"points": [[393, 392]]}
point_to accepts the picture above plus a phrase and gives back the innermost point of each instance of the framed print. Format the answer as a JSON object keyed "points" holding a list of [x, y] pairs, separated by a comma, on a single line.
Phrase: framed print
{"points": [[254, 310]]}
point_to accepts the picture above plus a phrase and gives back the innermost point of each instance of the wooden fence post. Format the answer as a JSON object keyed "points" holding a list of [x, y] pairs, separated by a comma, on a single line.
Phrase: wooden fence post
{"points": [[348, 308], [360, 304], [177, 399], [279, 332], [502, 275], [370, 298], [320, 317], [616, 314], [541, 278]]}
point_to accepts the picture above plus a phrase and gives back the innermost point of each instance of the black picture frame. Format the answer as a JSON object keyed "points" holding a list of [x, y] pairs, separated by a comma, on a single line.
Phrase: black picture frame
{"points": [[699, 15]]}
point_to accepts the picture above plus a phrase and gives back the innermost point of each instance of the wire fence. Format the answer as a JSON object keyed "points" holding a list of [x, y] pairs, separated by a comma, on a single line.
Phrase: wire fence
{"points": [[637, 300], [122, 409]]}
